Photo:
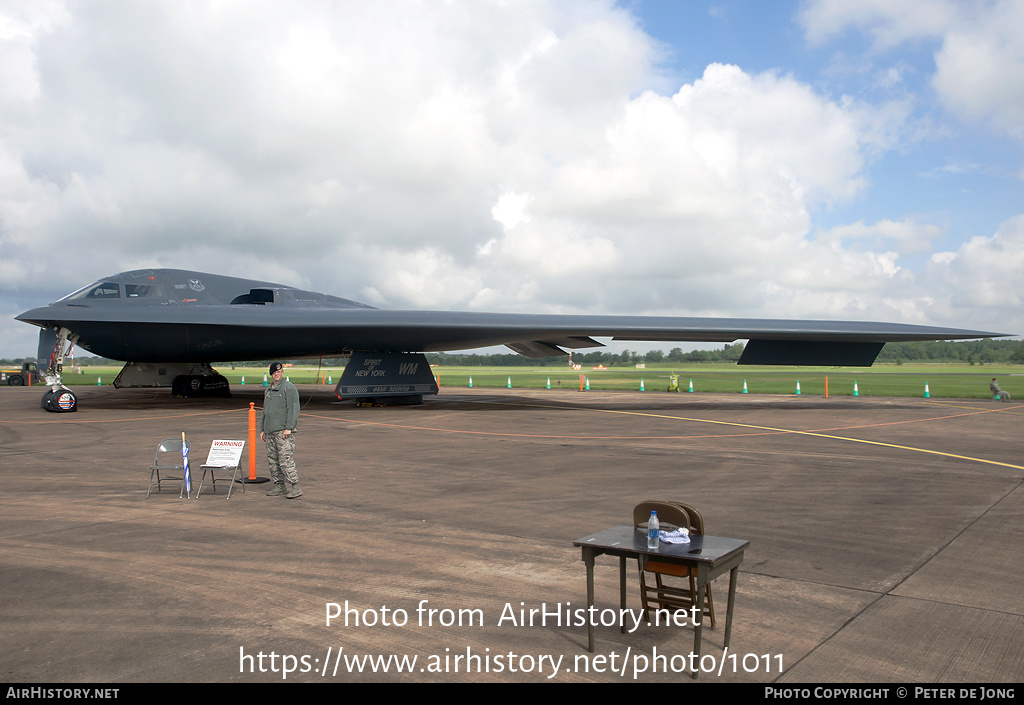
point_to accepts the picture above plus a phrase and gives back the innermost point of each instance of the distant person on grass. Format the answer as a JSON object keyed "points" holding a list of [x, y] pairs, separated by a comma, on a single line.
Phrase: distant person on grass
{"points": [[997, 392]]}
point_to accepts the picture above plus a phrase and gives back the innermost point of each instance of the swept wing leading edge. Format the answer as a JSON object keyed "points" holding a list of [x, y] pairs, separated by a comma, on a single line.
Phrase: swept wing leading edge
{"points": [[182, 316]]}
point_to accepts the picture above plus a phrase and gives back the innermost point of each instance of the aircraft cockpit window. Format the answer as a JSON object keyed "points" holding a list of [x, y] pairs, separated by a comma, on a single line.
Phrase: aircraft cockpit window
{"points": [[135, 291], [106, 290]]}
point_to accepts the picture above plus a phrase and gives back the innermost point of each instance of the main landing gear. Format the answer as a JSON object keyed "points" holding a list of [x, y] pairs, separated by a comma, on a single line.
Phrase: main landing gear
{"points": [[186, 379]]}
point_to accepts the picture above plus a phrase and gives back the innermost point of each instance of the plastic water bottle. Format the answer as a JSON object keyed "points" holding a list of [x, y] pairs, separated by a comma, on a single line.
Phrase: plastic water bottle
{"points": [[652, 530]]}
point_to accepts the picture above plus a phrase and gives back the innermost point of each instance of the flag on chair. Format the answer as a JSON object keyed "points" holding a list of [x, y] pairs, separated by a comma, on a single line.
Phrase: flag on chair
{"points": [[184, 462]]}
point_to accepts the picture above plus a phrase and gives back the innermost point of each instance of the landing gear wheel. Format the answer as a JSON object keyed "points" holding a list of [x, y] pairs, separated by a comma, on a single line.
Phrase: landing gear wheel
{"points": [[60, 401]]}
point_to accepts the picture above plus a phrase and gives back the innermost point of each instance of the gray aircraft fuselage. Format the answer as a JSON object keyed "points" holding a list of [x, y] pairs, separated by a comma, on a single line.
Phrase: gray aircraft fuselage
{"points": [[170, 315]]}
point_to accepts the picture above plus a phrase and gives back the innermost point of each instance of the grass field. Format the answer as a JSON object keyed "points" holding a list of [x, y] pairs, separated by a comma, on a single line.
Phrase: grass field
{"points": [[943, 380]]}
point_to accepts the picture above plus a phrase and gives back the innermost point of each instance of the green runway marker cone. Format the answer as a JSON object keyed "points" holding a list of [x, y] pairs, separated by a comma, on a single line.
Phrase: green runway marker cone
{"points": [[798, 386], [744, 386], [588, 384], [691, 385], [549, 383], [470, 382], [855, 393], [641, 384], [926, 395], [509, 385]]}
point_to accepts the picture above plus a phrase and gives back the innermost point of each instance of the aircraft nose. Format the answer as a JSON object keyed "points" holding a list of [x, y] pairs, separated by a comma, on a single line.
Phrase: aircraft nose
{"points": [[35, 315]]}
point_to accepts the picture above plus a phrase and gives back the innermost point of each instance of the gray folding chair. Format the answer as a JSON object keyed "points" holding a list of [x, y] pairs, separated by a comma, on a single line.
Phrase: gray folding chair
{"points": [[213, 470], [167, 463]]}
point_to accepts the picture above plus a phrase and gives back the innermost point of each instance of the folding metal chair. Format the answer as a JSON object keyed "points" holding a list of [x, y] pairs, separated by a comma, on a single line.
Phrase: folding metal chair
{"points": [[171, 445], [213, 469]]}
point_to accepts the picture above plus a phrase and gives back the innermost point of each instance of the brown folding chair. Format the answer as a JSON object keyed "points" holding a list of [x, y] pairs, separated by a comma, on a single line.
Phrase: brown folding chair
{"points": [[664, 594], [697, 527]]}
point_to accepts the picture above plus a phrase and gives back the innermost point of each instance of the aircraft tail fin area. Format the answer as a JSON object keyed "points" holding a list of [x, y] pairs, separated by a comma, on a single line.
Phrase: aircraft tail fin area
{"points": [[810, 352]]}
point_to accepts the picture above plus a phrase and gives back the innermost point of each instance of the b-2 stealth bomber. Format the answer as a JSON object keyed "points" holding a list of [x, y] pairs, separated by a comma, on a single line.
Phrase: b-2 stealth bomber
{"points": [[169, 325]]}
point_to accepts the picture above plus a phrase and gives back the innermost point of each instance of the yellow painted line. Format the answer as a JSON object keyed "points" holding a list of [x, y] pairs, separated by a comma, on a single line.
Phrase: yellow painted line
{"points": [[817, 435], [1014, 410]]}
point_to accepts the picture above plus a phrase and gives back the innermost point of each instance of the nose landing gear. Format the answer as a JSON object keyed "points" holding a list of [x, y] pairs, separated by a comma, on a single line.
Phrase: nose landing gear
{"points": [[58, 398]]}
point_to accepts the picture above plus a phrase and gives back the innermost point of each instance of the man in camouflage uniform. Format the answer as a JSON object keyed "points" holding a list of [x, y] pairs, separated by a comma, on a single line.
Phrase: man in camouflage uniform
{"points": [[277, 429], [998, 393]]}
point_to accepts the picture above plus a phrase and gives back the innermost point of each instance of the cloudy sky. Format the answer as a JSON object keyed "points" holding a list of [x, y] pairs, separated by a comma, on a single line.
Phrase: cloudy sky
{"points": [[818, 159]]}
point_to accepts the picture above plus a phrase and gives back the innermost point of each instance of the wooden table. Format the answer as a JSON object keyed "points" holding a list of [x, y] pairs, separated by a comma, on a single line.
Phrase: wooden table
{"points": [[707, 556]]}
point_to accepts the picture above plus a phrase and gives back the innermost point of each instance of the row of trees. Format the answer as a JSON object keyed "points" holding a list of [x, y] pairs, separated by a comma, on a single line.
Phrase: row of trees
{"points": [[975, 352], [980, 352], [971, 351], [730, 353], [80, 361]]}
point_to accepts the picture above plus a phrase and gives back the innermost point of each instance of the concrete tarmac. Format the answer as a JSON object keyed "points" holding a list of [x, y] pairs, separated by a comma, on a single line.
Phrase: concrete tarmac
{"points": [[886, 539]]}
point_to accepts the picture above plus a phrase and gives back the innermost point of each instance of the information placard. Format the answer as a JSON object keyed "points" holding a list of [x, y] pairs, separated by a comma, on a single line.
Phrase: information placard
{"points": [[225, 454]]}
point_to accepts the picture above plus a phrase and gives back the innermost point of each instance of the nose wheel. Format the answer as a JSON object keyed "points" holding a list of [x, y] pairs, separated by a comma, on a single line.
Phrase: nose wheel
{"points": [[61, 401]]}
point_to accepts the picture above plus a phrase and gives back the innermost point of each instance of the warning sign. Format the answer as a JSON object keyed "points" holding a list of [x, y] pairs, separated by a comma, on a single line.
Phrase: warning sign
{"points": [[225, 454]]}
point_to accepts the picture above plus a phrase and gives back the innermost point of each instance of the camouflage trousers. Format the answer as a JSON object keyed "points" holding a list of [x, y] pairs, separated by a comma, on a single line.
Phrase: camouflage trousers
{"points": [[281, 457]]}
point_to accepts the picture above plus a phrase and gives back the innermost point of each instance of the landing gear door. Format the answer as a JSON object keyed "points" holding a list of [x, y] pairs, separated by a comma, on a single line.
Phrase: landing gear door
{"points": [[396, 375], [47, 344]]}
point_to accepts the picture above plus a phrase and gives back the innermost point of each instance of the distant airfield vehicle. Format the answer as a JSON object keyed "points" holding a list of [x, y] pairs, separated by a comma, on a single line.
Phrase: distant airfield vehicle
{"points": [[169, 325], [28, 374]]}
